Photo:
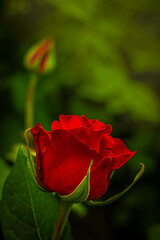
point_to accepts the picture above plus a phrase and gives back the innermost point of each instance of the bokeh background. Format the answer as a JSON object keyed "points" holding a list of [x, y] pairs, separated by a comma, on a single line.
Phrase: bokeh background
{"points": [[108, 67]]}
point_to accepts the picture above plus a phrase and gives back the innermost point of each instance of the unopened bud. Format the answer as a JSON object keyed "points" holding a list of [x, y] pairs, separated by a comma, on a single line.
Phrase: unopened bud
{"points": [[41, 57]]}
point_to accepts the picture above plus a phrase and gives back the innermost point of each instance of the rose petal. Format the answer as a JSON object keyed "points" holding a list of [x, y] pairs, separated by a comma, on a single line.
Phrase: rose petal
{"points": [[87, 123], [44, 149], [97, 126], [81, 134], [69, 165], [97, 133], [106, 145], [119, 160], [99, 179], [115, 148], [70, 121], [56, 125], [119, 147]]}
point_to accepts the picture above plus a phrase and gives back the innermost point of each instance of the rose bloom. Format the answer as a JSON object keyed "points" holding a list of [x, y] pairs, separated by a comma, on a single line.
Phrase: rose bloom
{"points": [[65, 153]]}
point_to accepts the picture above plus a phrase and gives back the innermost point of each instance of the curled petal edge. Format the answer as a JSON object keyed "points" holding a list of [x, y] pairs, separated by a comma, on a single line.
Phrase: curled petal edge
{"points": [[112, 199], [80, 194], [31, 164]]}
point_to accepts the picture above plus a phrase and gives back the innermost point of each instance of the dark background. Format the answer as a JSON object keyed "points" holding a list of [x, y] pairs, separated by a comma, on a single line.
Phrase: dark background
{"points": [[108, 68]]}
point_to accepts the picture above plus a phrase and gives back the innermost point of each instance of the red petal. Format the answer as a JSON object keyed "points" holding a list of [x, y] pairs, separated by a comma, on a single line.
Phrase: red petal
{"points": [[95, 125], [99, 179], [87, 123], [106, 145], [120, 160], [74, 124], [98, 126], [119, 147], [97, 133], [44, 149], [43, 62], [38, 53], [81, 134], [40, 50], [115, 148], [56, 125], [70, 121], [69, 164]]}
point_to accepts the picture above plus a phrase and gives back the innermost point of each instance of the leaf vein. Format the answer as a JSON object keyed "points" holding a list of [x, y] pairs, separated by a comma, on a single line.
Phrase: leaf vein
{"points": [[34, 214], [15, 195], [19, 218], [44, 217]]}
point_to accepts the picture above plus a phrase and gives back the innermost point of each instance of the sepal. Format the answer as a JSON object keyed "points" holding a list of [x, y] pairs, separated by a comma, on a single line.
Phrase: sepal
{"points": [[81, 193], [112, 174], [112, 199]]}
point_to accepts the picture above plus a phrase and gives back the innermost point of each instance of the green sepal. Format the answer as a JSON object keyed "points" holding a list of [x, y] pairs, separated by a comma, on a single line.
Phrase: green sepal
{"points": [[31, 165], [81, 193], [112, 173], [33, 177], [112, 199]]}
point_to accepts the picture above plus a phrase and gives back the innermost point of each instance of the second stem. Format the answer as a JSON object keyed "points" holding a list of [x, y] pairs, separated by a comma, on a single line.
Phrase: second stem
{"points": [[29, 109], [64, 211]]}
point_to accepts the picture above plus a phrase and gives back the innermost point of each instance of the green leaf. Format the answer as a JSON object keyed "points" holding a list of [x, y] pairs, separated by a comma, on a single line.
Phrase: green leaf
{"points": [[27, 213], [112, 199], [80, 194]]}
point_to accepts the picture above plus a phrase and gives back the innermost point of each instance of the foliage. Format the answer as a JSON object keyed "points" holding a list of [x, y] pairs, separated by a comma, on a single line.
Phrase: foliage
{"points": [[107, 56], [27, 213]]}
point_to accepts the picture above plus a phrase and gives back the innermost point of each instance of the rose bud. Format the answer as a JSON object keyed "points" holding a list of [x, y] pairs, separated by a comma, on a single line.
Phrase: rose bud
{"points": [[64, 155], [41, 57]]}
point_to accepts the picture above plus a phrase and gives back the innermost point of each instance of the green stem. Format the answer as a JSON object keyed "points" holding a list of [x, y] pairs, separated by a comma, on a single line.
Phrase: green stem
{"points": [[29, 109], [65, 208]]}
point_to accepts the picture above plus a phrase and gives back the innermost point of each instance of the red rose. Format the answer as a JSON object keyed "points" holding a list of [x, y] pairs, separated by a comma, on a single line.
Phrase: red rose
{"points": [[65, 153]]}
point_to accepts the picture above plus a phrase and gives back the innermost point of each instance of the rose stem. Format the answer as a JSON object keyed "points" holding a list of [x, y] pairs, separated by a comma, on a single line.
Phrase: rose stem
{"points": [[29, 108], [65, 208]]}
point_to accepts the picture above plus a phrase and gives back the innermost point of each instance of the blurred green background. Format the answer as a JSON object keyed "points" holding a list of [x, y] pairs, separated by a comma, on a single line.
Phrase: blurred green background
{"points": [[108, 67]]}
